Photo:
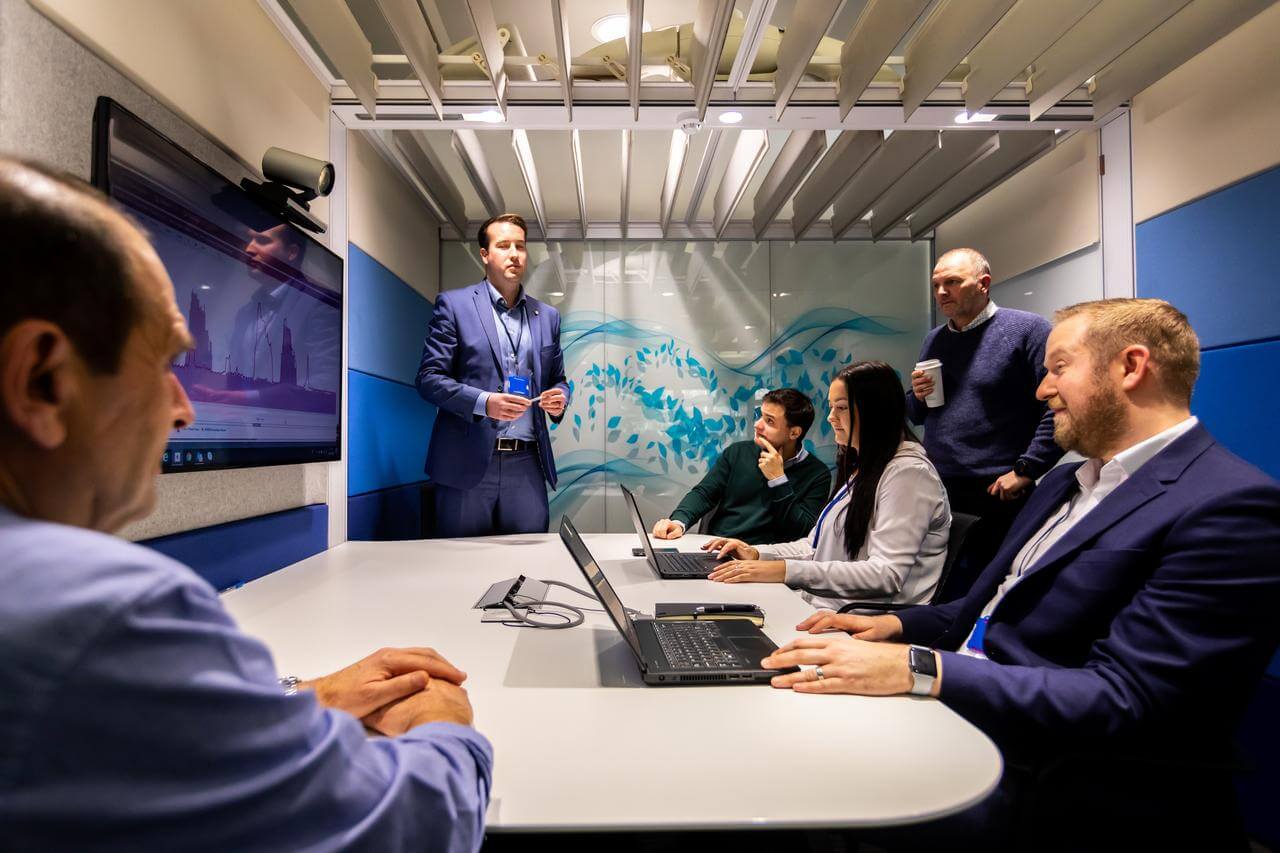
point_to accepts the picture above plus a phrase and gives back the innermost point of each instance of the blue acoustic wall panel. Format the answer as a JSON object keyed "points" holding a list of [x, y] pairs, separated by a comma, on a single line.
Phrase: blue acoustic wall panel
{"points": [[240, 551], [390, 427], [388, 320], [1213, 259], [386, 514], [1241, 412]]}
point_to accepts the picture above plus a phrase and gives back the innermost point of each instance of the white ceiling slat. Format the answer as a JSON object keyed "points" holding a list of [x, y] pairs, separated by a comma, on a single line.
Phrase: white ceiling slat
{"points": [[529, 171], [410, 29], [1017, 149], [960, 149], [755, 26], [945, 39], [671, 181], [335, 29], [710, 28], [467, 146], [626, 181], [1188, 32], [808, 24], [703, 176], [410, 161], [895, 158], [560, 24], [834, 171], [635, 56], [1024, 33], [801, 150], [1099, 37], [486, 27], [880, 28], [744, 160], [575, 143]]}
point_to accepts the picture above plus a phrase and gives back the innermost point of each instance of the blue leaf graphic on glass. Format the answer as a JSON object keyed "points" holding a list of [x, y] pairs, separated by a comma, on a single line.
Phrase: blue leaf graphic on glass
{"points": [[633, 438], [662, 451], [614, 421], [577, 420]]}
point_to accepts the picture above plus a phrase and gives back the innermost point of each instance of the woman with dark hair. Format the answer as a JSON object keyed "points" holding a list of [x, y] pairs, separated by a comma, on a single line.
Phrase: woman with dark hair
{"points": [[883, 535]]}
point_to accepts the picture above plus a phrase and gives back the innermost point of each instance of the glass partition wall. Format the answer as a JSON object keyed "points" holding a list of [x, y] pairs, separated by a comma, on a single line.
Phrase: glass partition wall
{"points": [[669, 346]]}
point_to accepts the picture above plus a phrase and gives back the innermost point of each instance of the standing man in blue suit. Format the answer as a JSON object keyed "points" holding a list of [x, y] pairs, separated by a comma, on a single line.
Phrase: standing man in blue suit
{"points": [[1113, 642], [492, 364]]}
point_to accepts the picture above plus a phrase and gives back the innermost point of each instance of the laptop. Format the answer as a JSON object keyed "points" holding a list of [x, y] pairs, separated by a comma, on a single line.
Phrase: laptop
{"points": [[673, 653], [670, 565]]}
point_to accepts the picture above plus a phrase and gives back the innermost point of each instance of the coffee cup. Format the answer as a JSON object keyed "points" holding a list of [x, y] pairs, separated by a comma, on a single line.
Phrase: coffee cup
{"points": [[933, 369]]}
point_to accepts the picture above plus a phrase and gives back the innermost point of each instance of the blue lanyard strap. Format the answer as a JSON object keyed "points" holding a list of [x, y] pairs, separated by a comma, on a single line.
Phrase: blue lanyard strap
{"points": [[817, 529]]}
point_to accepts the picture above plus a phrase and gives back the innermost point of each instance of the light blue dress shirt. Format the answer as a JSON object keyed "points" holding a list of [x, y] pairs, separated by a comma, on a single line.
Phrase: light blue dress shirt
{"points": [[512, 327], [135, 716]]}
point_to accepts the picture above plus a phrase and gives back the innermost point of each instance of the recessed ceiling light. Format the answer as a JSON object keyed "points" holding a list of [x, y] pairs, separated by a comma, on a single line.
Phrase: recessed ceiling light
{"points": [[668, 293], [965, 118], [488, 117], [614, 27], [748, 326], [730, 117], [556, 293]]}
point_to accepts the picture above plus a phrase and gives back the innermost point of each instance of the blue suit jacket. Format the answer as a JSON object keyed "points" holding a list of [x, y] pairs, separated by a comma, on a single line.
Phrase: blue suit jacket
{"points": [[460, 360], [1142, 631]]}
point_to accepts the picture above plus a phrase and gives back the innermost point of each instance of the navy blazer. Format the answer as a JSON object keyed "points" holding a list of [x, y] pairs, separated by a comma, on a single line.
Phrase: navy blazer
{"points": [[1142, 631], [460, 360]]}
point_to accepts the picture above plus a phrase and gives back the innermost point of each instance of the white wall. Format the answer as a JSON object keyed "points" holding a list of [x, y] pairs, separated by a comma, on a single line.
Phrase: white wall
{"points": [[1045, 212], [389, 221], [1211, 122]]}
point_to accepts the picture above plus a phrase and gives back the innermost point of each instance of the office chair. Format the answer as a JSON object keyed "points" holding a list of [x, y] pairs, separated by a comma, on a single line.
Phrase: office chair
{"points": [[961, 524]]}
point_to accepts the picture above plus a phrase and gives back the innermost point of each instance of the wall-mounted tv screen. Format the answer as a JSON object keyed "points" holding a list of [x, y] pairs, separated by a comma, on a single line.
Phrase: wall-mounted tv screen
{"points": [[262, 298]]}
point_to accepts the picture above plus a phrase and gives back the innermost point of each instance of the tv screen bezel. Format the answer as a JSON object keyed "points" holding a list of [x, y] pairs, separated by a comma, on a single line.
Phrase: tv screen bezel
{"points": [[246, 456]]}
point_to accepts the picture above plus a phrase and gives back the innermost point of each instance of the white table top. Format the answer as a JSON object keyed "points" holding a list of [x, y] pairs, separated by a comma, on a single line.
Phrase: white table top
{"points": [[580, 743]]}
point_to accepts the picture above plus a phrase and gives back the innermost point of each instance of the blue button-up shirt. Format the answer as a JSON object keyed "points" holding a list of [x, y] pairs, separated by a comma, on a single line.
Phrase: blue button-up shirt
{"points": [[135, 716], [511, 323]]}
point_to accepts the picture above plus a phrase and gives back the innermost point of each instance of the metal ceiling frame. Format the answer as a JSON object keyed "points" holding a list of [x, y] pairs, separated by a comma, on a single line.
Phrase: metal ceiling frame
{"points": [[575, 146], [797, 157], [799, 41], [415, 39], [529, 171], [710, 29], [467, 146]]}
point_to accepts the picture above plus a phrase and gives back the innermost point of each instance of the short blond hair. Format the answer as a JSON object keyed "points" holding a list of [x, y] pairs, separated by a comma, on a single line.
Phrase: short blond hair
{"points": [[1153, 323]]}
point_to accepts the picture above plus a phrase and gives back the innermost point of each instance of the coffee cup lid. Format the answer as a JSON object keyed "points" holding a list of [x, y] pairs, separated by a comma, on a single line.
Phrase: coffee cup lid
{"points": [[928, 363]]}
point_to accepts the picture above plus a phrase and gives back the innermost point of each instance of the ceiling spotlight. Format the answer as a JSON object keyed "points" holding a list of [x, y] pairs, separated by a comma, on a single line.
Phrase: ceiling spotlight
{"points": [[488, 117], [556, 293], [668, 293], [730, 117], [614, 27], [966, 118]]}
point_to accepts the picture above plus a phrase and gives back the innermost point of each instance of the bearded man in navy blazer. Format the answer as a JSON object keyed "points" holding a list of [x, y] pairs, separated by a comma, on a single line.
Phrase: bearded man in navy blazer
{"points": [[1111, 645], [492, 365]]}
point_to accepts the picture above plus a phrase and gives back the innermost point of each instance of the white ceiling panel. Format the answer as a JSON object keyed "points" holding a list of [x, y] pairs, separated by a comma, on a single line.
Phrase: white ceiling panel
{"points": [[649, 153], [440, 144], [602, 174], [501, 158], [553, 154]]}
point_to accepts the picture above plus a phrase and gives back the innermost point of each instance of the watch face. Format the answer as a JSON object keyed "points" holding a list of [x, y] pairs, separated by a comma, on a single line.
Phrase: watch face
{"points": [[923, 661]]}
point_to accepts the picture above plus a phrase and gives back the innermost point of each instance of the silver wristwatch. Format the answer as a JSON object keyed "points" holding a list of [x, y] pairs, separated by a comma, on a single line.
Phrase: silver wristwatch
{"points": [[924, 669], [289, 684]]}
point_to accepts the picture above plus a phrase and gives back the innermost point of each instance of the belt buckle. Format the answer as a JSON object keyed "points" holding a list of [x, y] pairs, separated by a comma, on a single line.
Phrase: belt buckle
{"points": [[507, 444]]}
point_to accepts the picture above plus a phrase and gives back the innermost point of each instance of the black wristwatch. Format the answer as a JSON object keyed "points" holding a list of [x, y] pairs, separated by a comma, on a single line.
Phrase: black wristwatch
{"points": [[924, 669], [1022, 468]]}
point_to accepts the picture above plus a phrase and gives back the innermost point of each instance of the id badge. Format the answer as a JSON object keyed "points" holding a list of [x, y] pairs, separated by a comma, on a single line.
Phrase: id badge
{"points": [[518, 385]]}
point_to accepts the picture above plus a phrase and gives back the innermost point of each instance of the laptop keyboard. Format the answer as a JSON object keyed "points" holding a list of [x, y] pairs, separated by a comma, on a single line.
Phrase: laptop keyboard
{"points": [[686, 563], [693, 645]]}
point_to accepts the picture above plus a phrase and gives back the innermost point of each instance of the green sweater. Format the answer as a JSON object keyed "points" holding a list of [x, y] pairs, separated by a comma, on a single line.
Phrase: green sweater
{"points": [[744, 505]]}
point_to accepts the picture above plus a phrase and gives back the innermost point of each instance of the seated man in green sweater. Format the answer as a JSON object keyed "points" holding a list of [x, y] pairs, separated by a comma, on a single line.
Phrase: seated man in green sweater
{"points": [[771, 487]]}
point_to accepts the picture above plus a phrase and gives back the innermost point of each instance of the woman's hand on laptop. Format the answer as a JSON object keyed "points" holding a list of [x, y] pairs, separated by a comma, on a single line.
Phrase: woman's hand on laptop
{"points": [[727, 549], [750, 571]]}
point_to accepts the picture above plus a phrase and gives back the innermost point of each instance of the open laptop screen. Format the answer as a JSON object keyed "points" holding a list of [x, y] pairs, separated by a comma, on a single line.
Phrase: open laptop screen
{"points": [[603, 589], [638, 521]]}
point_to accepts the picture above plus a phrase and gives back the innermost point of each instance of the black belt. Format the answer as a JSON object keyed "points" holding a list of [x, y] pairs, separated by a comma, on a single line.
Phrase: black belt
{"points": [[507, 445]]}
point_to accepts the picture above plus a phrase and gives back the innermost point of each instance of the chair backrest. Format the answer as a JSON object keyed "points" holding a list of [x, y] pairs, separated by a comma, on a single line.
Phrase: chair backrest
{"points": [[704, 524], [961, 524]]}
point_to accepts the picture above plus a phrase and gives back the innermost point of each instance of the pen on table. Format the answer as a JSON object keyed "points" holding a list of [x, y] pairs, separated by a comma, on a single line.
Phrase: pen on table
{"points": [[725, 608]]}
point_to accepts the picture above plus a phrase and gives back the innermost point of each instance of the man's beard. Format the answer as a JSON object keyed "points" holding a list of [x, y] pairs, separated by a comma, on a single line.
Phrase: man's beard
{"points": [[1094, 428]]}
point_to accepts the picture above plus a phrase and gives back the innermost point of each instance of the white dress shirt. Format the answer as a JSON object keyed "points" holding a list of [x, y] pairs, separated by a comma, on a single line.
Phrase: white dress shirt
{"points": [[983, 316], [1096, 482]]}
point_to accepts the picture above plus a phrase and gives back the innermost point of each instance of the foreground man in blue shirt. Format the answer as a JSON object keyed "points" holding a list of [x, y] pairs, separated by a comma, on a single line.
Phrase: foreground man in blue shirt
{"points": [[134, 715]]}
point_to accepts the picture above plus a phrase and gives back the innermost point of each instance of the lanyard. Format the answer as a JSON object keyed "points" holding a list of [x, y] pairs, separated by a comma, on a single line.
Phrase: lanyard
{"points": [[817, 528], [515, 342]]}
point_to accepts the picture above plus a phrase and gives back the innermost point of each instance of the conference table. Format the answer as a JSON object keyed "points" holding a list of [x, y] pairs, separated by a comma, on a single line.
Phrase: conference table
{"points": [[580, 743]]}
